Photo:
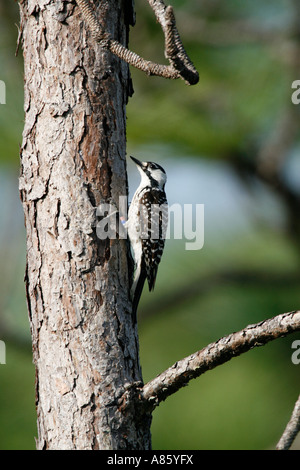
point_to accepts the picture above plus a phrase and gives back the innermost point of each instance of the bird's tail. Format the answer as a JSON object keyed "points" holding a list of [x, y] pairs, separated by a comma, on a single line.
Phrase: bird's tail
{"points": [[136, 290]]}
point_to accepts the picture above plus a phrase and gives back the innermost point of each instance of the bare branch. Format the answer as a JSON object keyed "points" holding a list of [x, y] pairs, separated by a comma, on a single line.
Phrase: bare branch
{"points": [[291, 430], [180, 64], [215, 354]]}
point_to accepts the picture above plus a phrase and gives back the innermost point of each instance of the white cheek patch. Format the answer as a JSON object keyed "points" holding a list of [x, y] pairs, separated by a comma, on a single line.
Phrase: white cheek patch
{"points": [[160, 177]]}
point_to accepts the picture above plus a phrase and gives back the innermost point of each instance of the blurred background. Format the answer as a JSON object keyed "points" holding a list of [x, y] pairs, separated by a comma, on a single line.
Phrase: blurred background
{"points": [[231, 143]]}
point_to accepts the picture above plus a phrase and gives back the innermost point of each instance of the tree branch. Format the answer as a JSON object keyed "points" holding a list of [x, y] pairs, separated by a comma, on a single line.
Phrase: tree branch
{"points": [[215, 354], [180, 64], [291, 430]]}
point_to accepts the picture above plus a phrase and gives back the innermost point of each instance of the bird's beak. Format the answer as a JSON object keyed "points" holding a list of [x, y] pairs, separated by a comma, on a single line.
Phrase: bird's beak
{"points": [[137, 162]]}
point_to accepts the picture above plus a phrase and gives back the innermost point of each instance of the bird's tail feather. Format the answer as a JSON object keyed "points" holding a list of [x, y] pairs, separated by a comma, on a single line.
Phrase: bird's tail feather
{"points": [[137, 289]]}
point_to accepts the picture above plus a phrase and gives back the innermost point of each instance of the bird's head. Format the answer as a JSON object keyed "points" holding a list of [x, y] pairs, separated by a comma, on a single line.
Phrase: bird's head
{"points": [[152, 174]]}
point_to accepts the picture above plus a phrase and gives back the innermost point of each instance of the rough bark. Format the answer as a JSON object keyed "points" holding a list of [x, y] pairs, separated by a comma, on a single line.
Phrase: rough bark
{"points": [[180, 64], [215, 354], [291, 430], [72, 159]]}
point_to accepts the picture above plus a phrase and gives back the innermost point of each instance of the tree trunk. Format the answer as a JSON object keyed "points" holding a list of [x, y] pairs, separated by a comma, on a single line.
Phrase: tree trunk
{"points": [[85, 347]]}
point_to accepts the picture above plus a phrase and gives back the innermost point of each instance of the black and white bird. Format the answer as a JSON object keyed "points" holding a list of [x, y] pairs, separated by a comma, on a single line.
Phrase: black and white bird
{"points": [[147, 225]]}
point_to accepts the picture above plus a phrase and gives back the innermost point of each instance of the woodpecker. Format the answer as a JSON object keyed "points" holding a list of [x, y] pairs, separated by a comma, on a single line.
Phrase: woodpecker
{"points": [[147, 225]]}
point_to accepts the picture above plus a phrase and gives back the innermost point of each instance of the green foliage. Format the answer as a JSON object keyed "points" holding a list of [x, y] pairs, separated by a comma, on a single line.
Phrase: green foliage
{"points": [[11, 113], [17, 406], [242, 90]]}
